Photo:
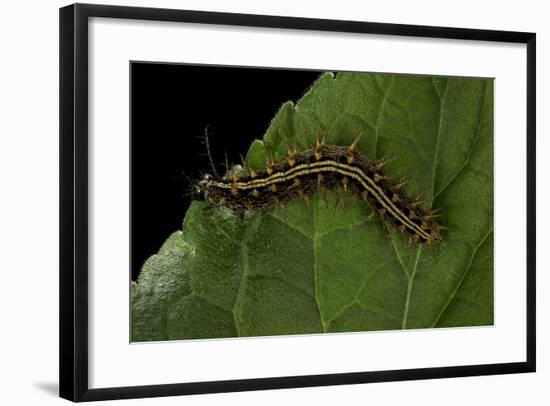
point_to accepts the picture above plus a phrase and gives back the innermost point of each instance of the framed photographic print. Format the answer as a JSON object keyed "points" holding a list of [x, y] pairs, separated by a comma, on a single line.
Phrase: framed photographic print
{"points": [[255, 202]]}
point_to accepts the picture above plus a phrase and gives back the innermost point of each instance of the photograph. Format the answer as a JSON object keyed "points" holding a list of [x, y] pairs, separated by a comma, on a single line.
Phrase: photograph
{"points": [[253, 202], [276, 202]]}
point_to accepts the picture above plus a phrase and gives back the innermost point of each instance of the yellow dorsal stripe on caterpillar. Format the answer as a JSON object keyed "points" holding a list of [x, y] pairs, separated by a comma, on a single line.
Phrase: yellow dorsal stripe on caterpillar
{"points": [[335, 167], [302, 173]]}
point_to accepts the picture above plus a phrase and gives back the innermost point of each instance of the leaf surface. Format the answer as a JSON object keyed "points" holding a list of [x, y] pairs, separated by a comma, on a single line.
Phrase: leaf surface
{"points": [[324, 266]]}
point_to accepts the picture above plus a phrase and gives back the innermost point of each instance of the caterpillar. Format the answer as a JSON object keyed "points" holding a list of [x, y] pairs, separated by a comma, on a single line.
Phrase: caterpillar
{"points": [[321, 168]]}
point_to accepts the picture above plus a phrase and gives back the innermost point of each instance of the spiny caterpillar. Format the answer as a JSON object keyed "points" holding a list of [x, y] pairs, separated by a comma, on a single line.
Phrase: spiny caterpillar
{"points": [[321, 168]]}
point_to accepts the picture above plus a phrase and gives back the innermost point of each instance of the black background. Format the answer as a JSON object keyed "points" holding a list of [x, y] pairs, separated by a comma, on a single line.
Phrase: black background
{"points": [[171, 106]]}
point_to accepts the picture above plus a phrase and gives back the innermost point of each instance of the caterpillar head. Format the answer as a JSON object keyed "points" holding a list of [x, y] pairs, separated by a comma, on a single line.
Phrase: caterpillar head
{"points": [[201, 189]]}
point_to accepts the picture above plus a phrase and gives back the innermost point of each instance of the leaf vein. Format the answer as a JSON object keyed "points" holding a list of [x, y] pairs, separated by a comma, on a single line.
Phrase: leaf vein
{"points": [[409, 289], [472, 148], [399, 259], [453, 294], [379, 115], [438, 138], [246, 267]]}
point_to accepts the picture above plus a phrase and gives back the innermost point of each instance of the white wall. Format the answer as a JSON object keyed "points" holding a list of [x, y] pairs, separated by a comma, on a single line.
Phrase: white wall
{"points": [[29, 188]]}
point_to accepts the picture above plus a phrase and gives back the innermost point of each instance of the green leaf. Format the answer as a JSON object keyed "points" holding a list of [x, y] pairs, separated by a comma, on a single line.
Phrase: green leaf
{"points": [[325, 267]]}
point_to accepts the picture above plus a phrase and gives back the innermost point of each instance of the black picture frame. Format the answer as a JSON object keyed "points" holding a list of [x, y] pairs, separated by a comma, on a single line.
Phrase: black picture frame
{"points": [[73, 332]]}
